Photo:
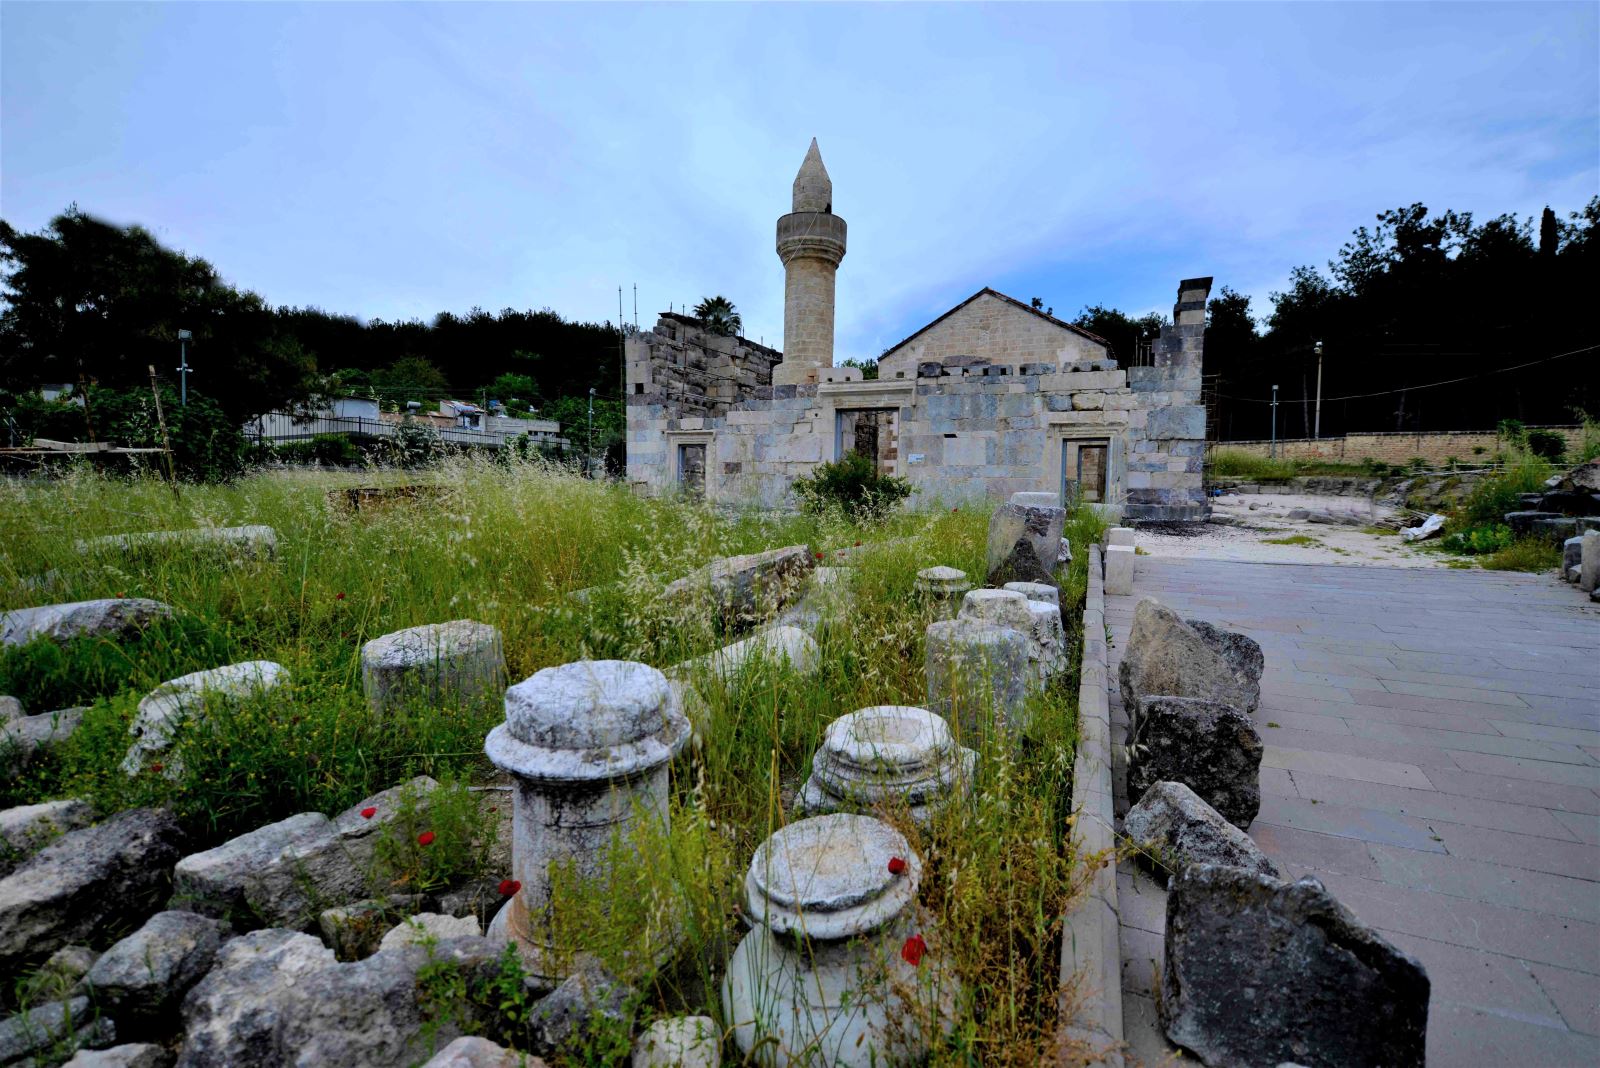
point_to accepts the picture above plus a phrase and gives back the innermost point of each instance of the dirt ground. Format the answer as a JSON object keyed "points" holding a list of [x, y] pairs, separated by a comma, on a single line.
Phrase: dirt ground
{"points": [[1259, 519]]}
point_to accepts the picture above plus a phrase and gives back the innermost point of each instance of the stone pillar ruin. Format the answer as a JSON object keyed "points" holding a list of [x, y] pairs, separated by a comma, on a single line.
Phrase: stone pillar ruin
{"points": [[588, 745], [977, 675], [811, 244], [838, 967], [887, 753], [454, 661], [943, 587]]}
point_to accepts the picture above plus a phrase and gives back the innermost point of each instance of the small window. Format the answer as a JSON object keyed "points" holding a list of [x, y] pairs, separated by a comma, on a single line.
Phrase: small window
{"points": [[638, 387]]}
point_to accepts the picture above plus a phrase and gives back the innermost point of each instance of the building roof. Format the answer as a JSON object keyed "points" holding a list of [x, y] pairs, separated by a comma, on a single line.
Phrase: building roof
{"points": [[986, 291]]}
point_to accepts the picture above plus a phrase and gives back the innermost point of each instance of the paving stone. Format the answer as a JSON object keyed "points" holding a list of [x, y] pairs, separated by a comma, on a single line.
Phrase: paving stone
{"points": [[1344, 766], [1576, 995], [1502, 884]]}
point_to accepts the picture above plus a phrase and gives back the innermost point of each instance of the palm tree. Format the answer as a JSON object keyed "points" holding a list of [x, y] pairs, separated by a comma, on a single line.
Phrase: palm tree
{"points": [[719, 315]]}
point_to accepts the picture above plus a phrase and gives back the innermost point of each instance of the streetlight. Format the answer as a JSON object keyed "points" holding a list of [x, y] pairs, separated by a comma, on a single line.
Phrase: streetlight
{"points": [[1316, 428], [183, 366], [1274, 420]]}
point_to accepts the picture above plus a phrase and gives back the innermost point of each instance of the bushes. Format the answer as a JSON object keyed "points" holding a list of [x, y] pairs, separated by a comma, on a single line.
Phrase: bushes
{"points": [[1478, 539], [1235, 463], [1525, 554], [330, 450], [852, 485], [1492, 498]]}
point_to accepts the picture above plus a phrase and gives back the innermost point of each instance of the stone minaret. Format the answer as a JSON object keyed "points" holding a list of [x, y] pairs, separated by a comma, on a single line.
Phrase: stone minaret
{"points": [[810, 244]]}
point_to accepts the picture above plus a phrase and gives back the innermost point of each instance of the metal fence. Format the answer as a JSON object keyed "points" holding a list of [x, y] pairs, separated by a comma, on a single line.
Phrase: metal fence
{"points": [[285, 426]]}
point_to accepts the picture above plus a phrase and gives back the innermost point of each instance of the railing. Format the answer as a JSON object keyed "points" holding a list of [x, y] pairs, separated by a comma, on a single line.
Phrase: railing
{"points": [[285, 426]]}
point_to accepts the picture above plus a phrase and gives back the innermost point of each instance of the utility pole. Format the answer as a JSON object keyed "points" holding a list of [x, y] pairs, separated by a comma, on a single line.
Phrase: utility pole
{"points": [[166, 441], [1317, 426], [183, 366], [588, 457], [622, 354], [1274, 449]]}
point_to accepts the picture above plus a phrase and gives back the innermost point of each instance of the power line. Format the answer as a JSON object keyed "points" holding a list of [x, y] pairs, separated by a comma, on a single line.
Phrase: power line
{"points": [[1413, 389]]}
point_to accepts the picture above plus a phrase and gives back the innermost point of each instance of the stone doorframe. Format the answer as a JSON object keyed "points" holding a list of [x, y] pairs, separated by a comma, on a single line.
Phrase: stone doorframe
{"points": [[708, 438], [1057, 434], [834, 396]]}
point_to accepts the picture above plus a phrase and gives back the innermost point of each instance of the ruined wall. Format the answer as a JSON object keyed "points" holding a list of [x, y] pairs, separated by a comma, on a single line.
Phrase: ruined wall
{"points": [[964, 431], [996, 329], [692, 371], [1392, 448]]}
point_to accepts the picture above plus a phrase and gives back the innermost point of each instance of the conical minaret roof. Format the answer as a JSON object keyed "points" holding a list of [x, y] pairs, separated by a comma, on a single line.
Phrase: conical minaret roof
{"points": [[813, 189]]}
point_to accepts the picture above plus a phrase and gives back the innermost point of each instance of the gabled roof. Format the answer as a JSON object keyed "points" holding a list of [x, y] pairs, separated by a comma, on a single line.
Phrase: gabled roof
{"points": [[986, 291]]}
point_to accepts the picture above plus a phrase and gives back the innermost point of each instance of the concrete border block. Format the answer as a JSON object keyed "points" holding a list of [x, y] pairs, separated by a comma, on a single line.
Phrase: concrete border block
{"points": [[1090, 931]]}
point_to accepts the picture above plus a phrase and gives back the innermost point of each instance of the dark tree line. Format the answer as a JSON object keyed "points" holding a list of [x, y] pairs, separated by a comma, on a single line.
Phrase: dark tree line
{"points": [[1414, 300], [87, 301]]}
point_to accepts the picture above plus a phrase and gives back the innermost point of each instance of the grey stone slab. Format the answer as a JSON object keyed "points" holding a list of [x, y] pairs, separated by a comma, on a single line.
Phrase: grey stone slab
{"points": [[1554, 796], [1577, 859], [1141, 1030], [1488, 981], [1470, 741], [1430, 804], [1141, 958], [1344, 766], [1524, 768], [1490, 676], [1348, 821], [1417, 754], [1319, 854], [1576, 995], [1279, 782], [1141, 901], [1500, 884], [1585, 826], [1546, 733], [1271, 720], [1415, 717], [1462, 1035], [1454, 693], [1514, 932]]}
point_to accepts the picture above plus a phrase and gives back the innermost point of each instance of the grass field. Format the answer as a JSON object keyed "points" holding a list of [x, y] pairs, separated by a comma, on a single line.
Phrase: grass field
{"points": [[504, 544]]}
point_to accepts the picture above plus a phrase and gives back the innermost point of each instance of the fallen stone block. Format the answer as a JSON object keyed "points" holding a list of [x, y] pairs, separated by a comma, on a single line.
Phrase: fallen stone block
{"points": [[132, 1055], [773, 645], [26, 829], [679, 1042], [247, 542], [40, 1030], [112, 617], [1210, 747], [64, 972], [1036, 517], [1589, 562], [1181, 830], [742, 590], [145, 976], [470, 1051], [21, 740], [1167, 656], [1023, 564], [72, 889], [590, 998], [1322, 989], [10, 710], [1572, 557], [277, 997], [166, 708], [355, 931], [1043, 592], [429, 927], [944, 588], [437, 662]]}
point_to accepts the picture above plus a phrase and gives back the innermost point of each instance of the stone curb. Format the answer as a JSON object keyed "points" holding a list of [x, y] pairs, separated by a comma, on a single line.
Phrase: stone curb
{"points": [[1090, 936]]}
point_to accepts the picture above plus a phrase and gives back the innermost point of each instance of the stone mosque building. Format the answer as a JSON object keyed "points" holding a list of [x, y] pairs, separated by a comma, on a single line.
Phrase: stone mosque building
{"points": [[991, 398]]}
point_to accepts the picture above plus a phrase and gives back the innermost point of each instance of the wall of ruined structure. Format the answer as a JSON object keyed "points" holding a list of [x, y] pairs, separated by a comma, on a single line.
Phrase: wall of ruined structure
{"points": [[999, 331], [1436, 447], [697, 373], [962, 430]]}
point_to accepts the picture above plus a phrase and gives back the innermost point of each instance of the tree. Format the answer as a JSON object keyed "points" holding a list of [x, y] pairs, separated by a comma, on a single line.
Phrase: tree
{"points": [[514, 390], [868, 368], [411, 378], [719, 315], [1121, 331], [85, 298], [1038, 306]]}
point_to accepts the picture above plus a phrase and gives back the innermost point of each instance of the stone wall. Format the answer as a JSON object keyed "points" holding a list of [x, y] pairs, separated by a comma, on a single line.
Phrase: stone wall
{"points": [[681, 365], [999, 329], [1435, 447], [964, 431]]}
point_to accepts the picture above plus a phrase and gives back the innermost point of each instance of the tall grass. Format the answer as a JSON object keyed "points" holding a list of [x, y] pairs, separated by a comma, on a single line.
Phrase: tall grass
{"points": [[1236, 463], [506, 544]]}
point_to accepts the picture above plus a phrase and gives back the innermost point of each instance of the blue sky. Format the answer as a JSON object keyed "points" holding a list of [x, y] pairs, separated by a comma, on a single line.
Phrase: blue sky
{"points": [[391, 161]]}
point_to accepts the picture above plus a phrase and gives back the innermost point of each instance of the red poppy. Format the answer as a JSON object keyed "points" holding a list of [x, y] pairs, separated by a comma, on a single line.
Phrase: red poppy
{"points": [[913, 950], [492, 809], [858, 543], [896, 865], [156, 767], [819, 556], [425, 838], [368, 812], [339, 596], [509, 887]]}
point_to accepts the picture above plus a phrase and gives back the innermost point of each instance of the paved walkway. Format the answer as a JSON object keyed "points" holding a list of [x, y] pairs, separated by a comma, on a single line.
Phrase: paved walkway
{"points": [[1433, 756]]}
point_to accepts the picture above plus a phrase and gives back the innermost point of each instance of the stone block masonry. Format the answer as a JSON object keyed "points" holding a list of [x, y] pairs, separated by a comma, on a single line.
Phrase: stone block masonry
{"points": [[992, 398], [1435, 447]]}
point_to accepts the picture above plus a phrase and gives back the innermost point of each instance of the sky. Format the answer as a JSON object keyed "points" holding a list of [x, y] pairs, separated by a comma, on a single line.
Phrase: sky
{"points": [[393, 161]]}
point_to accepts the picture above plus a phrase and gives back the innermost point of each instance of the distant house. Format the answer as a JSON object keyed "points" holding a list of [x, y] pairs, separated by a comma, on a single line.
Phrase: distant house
{"points": [[354, 408]]}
